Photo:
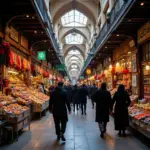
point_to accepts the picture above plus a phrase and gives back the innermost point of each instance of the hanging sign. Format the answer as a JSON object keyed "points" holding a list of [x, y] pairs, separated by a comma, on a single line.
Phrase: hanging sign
{"points": [[134, 66], [60, 67], [144, 33], [41, 55], [24, 42], [14, 34]]}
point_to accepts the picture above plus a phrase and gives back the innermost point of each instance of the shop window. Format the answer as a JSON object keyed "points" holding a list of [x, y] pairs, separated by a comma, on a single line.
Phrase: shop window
{"points": [[146, 51]]}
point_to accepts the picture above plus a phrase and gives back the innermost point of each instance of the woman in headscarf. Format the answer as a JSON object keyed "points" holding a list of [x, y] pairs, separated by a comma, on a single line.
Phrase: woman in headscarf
{"points": [[122, 101]]}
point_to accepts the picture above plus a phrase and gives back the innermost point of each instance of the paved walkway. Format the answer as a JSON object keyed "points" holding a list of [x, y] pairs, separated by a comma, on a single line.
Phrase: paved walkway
{"points": [[82, 134]]}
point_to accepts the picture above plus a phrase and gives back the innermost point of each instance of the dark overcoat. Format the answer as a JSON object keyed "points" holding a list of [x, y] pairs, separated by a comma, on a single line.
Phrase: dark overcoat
{"points": [[122, 102], [102, 98], [59, 103]]}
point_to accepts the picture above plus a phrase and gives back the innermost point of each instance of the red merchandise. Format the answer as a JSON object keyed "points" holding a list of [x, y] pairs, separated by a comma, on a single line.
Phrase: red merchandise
{"points": [[18, 62], [10, 58]]}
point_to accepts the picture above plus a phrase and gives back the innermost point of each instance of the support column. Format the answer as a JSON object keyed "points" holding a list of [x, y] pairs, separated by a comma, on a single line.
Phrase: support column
{"points": [[111, 4]]}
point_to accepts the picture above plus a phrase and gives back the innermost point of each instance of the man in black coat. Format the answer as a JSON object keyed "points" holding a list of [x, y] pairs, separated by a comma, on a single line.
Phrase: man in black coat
{"points": [[82, 95], [102, 97], [58, 106], [92, 92]]}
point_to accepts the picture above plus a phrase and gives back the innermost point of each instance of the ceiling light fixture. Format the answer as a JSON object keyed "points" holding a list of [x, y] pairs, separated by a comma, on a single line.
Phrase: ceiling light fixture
{"points": [[45, 41], [35, 31], [33, 17], [42, 32], [27, 16], [105, 46], [118, 35], [142, 4]]}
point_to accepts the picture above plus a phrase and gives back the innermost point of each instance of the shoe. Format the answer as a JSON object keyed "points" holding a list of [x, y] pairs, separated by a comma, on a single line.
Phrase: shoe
{"points": [[102, 135], [58, 137], [63, 138], [119, 133], [85, 113], [82, 113], [124, 133], [74, 110]]}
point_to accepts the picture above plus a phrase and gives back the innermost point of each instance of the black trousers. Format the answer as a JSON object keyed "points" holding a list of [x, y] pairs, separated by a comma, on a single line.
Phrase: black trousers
{"points": [[76, 105], [60, 125], [83, 108], [92, 103], [102, 126]]}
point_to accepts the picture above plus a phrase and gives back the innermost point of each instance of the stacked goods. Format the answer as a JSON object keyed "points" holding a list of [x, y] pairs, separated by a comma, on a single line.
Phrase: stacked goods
{"points": [[22, 97], [14, 109], [140, 118], [6, 100]]}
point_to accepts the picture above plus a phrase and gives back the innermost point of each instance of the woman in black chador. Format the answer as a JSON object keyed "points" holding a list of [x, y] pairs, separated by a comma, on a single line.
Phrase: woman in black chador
{"points": [[122, 102]]}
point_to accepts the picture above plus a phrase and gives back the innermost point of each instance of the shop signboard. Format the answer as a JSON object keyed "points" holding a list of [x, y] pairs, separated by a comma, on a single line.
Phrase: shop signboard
{"points": [[60, 67], [144, 33], [134, 65], [134, 80], [81, 77], [14, 34], [24, 42], [41, 55]]}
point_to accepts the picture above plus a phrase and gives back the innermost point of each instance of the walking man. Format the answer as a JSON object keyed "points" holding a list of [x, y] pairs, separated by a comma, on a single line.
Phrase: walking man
{"points": [[102, 97], [58, 105], [92, 92], [82, 94]]}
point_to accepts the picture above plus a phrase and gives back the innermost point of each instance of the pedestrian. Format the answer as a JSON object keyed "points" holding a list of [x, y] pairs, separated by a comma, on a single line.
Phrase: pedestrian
{"points": [[82, 95], [58, 105], [122, 101], [102, 98], [75, 98], [92, 92]]}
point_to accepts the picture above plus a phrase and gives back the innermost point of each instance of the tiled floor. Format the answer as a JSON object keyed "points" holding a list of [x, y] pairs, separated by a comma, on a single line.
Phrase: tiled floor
{"points": [[82, 134]]}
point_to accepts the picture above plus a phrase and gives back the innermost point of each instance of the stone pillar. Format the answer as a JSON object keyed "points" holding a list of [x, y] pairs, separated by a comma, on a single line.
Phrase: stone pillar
{"points": [[103, 19], [111, 4]]}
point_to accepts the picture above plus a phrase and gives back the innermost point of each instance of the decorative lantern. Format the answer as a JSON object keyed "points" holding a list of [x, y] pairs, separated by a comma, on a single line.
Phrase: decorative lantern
{"points": [[88, 71]]}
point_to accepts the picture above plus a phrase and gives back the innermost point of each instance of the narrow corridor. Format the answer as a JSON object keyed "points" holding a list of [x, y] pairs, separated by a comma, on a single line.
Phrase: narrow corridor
{"points": [[82, 134]]}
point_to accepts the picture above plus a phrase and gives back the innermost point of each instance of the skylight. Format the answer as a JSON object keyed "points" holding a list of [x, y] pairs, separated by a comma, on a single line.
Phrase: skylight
{"points": [[74, 66], [74, 52], [74, 19], [74, 38]]}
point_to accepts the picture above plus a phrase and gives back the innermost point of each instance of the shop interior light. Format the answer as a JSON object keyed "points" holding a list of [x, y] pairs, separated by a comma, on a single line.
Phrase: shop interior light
{"points": [[110, 67], [13, 72], [142, 4], [118, 35], [35, 31], [33, 17], [27, 16], [147, 67], [129, 52], [117, 64], [105, 46]]}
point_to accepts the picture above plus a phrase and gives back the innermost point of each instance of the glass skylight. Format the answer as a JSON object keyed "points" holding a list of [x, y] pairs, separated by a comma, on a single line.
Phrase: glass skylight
{"points": [[74, 66], [74, 38], [74, 19], [74, 52], [74, 58]]}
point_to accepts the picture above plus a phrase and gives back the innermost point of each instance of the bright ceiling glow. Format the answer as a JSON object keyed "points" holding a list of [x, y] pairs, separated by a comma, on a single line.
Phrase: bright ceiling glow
{"points": [[74, 19], [74, 52], [74, 38], [74, 66]]}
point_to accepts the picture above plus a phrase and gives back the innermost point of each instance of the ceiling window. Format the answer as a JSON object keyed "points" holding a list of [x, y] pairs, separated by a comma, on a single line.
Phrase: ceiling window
{"points": [[74, 52], [74, 19], [74, 66], [74, 38]]}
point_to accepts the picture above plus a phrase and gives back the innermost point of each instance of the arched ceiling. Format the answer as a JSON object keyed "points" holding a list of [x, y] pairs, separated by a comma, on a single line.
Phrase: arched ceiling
{"points": [[74, 23]]}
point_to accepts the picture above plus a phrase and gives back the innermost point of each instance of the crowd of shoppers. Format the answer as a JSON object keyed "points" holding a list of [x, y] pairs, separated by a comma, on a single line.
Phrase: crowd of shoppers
{"points": [[63, 97]]}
